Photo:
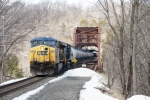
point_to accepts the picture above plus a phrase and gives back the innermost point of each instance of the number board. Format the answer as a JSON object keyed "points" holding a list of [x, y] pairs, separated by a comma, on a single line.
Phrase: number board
{"points": [[42, 53]]}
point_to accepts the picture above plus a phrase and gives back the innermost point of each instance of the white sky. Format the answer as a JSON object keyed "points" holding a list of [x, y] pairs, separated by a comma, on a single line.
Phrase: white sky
{"points": [[85, 2]]}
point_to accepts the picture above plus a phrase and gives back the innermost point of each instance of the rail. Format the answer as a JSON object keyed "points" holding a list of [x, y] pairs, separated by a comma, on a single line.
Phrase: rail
{"points": [[9, 88]]}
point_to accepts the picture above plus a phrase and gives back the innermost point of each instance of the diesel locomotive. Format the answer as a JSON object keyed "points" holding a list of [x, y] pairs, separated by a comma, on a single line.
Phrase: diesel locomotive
{"points": [[48, 55]]}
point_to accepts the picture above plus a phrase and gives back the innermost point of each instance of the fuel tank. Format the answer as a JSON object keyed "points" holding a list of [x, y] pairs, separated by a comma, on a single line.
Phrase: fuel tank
{"points": [[78, 54]]}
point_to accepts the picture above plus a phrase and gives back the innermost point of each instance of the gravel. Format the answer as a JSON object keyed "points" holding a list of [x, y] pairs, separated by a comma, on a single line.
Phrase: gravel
{"points": [[26, 89], [65, 89]]}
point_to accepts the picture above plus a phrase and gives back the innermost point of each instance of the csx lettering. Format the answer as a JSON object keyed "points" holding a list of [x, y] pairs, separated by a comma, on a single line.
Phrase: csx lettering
{"points": [[42, 53]]}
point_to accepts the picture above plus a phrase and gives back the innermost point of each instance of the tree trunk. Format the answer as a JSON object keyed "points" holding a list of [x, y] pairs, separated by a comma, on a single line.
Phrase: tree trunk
{"points": [[136, 3], [149, 74], [130, 71], [129, 78], [121, 47]]}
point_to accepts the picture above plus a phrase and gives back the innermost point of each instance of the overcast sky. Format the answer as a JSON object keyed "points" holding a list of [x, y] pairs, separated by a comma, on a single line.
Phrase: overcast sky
{"points": [[86, 2]]}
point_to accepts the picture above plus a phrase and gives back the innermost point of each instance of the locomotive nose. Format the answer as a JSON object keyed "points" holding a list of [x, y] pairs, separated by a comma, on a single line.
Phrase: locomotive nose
{"points": [[42, 54]]}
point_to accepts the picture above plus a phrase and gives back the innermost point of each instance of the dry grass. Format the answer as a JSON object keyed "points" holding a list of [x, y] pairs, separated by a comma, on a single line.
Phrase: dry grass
{"points": [[115, 94], [114, 91]]}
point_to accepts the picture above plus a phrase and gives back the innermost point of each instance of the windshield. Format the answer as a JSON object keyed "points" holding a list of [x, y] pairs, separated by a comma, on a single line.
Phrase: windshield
{"points": [[49, 43], [36, 43]]}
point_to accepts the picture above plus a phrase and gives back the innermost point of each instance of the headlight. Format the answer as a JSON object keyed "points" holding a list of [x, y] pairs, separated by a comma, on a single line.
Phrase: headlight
{"points": [[42, 48], [35, 59], [47, 59]]}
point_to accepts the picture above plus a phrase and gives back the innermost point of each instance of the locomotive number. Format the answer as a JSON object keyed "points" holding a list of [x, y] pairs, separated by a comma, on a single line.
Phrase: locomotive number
{"points": [[42, 53]]}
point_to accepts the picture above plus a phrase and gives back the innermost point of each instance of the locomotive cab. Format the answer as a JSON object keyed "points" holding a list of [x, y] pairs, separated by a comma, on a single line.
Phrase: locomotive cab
{"points": [[42, 56]]}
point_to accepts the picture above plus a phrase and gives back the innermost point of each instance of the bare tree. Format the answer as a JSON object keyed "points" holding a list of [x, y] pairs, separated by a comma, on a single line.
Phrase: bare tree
{"points": [[125, 35], [135, 32], [118, 32], [20, 20]]}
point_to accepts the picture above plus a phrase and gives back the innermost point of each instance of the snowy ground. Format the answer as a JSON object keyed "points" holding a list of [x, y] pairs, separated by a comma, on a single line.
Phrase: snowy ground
{"points": [[91, 89], [12, 81], [139, 97]]}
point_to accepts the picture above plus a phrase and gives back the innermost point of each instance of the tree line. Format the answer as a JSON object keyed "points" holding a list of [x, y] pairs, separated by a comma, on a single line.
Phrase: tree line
{"points": [[128, 44]]}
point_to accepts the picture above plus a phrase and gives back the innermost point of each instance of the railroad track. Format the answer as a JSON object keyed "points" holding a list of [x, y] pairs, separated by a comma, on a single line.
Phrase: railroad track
{"points": [[9, 88]]}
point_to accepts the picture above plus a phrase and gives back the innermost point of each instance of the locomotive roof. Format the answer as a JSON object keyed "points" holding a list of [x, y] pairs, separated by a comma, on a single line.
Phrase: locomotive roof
{"points": [[43, 38], [51, 39]]}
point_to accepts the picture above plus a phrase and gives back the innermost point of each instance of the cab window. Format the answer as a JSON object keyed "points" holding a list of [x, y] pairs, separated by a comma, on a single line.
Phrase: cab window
{"points": [[36, 43], [49, 43]]}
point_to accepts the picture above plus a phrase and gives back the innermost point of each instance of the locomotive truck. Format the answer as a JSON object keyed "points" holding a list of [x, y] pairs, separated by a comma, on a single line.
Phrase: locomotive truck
{"points": [[48, 55]]}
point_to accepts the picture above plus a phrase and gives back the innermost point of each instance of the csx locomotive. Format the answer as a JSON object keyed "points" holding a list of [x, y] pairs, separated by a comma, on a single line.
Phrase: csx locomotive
{"points": [[48, 55]]}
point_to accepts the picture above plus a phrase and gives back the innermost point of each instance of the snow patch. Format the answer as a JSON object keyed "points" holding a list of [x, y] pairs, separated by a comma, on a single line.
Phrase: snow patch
{"points": [[80, 72], [95, 83], [139, 97], [12, 81], [93, 94], [90, 91]]}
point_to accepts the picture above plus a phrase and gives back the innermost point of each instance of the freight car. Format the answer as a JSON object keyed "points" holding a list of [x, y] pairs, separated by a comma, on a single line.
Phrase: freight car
{"points": [[48, 55]]}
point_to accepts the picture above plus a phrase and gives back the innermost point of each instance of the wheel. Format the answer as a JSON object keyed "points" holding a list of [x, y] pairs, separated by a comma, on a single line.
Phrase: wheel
{"points": [[59, 66]]}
